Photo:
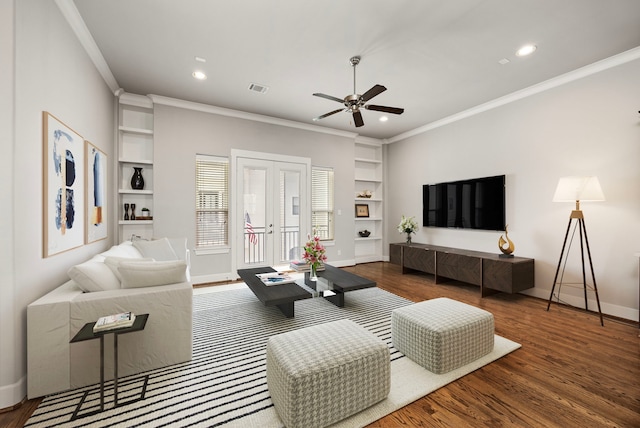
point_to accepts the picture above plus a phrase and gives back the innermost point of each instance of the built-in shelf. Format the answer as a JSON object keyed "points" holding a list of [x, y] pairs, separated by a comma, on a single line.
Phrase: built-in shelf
{"points": [[134, 150], [136, 130], [135, 192], [136, 161], [367, 160], [135, 222], [368, 176], [370, 180]]}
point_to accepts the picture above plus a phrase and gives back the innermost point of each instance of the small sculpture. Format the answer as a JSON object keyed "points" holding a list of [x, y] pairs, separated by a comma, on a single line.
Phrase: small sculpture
{"points": [[506, 251]]}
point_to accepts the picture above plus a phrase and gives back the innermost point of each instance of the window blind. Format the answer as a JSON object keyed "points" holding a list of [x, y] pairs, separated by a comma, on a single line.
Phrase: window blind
{"points": [[322, 202], [212, 201]]}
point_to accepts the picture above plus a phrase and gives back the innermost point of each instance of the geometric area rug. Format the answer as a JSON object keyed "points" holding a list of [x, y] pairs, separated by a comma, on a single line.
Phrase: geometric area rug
{"points": [[225, 382]]}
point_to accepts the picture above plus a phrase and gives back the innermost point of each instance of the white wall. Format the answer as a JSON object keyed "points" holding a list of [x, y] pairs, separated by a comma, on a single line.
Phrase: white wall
{"points": [[181, 133], [52, 73], [587, 127]]}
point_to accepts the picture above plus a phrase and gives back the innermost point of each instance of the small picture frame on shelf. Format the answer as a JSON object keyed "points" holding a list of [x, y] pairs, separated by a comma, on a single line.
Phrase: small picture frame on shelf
{"points": [[362, 210]]}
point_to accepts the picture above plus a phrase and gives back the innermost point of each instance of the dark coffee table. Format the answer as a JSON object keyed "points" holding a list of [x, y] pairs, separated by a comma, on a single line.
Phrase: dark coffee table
{"points": [[333, 283], [281, 296]]}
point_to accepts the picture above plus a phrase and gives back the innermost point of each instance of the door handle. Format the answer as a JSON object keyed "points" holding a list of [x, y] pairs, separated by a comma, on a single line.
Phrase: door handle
{"points": [[270, 229]]}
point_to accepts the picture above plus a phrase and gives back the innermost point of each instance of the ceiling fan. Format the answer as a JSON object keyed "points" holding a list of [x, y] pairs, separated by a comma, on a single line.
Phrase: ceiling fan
{"points": [[354, 102]]}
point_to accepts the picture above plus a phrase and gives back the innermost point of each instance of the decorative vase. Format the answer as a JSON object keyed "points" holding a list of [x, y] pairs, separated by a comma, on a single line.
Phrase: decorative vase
{"points": [[408, 237], [137, 181], [313, 276], [126, 211]]}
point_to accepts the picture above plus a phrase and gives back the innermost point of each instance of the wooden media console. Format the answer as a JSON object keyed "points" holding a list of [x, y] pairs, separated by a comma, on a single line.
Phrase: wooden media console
{"points": [[487, 270]]}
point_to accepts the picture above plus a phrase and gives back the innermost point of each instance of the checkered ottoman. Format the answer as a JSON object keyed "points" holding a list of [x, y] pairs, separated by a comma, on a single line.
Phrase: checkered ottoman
{"points": [[442, 334], [322, 374]]}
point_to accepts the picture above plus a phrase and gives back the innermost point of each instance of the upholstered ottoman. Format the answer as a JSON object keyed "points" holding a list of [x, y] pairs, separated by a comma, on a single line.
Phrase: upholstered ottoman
{"points": [[322, 374], [442, 334]]}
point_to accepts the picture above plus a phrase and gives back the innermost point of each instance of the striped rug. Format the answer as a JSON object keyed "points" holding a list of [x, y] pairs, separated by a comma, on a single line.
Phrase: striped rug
{"points": [[225, 383]]}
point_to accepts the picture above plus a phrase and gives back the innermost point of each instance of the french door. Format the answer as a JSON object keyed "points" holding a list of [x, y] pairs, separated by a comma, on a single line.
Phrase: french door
{"points": [[271, 210]]}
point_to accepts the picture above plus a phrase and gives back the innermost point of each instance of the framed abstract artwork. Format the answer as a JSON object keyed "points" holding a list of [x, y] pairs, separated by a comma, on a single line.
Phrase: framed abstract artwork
{"points": [[362, 210], [96, 198], [63, 187]]}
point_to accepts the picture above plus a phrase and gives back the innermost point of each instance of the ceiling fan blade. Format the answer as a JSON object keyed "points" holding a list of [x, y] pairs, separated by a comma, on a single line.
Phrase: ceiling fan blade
{"points": [[357, 118], [393, 110], [328, 114], [329, 97], [376, 90]]}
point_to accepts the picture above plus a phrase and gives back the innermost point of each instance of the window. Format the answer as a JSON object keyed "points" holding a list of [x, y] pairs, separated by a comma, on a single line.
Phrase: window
{"points": [[212, 201], [322, 202]]}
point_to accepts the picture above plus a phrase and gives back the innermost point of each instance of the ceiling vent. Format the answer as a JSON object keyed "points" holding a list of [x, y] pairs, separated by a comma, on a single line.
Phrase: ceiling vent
{"points": [[261, 89]]}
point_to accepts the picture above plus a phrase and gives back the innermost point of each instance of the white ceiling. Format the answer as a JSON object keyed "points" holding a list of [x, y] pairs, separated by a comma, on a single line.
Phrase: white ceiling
{"points": [[436, 57]]}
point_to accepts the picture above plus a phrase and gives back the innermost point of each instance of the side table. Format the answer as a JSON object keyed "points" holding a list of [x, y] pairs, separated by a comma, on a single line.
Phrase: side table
{"points": [[86, 333]]}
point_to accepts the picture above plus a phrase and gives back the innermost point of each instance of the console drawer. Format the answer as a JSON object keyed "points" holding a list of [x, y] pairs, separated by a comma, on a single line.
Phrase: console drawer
{"points": [[459, 267], [419, 258]]}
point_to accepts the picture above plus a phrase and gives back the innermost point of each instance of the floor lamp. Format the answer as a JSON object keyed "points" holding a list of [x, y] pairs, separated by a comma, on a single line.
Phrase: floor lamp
{"points": [[577, 189]]}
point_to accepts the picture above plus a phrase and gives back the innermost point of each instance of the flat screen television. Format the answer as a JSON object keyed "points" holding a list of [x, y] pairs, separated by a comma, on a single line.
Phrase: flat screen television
{"points": [[466, 204]]}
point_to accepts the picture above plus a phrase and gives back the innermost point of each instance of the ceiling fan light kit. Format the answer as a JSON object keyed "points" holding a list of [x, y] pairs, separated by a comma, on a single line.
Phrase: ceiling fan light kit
{"points": [[354, 102]]}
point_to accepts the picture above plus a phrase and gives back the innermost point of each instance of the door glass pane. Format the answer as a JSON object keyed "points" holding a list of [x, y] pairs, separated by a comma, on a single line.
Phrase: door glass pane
{"points": [[254, 202], [289, 183]]}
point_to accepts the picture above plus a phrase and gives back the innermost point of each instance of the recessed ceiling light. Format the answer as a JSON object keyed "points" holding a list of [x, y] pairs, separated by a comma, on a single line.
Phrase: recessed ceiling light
{"points": [[526, 50], [200, 59], [383, 118], [199, 75]]}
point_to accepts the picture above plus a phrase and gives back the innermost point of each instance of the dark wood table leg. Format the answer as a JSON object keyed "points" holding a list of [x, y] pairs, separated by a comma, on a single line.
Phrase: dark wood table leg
{"points": [[286, 309], [115, 370], [337, 298]]}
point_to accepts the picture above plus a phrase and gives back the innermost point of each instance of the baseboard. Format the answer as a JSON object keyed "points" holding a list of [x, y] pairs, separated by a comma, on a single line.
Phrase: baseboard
{"points": [[578, 302], [14, 394]]}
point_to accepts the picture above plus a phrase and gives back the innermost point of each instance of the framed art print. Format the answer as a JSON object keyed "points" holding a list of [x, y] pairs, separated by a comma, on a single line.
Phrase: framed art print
{"points": [[63, 189], [96, 197], [362, 210]]}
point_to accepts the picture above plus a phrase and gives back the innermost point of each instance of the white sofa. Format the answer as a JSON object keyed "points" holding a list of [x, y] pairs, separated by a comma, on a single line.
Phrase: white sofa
{"points": [[142, 277]]}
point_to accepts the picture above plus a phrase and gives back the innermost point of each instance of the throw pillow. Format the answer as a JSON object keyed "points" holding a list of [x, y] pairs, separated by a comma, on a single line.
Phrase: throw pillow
{"points": [[93, 276], [159, 250], [150, 274], [113, 263]]}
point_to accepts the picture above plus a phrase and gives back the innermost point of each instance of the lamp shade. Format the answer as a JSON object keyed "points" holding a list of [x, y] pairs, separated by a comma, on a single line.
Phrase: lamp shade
{"points": [[571, 189]]}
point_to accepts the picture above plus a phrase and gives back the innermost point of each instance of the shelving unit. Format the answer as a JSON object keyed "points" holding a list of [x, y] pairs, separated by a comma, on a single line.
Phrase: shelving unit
{"points": [[369, 176], [135, 149]]}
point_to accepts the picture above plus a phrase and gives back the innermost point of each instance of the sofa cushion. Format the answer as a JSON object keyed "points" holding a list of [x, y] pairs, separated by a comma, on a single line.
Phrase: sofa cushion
{"points": [[150, 274], [113, 263], [179, 246], [125, 249], [94, 276], [159, 250]]}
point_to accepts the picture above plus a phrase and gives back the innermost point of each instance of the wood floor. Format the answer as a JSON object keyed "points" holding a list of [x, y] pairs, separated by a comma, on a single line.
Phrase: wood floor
{"points": [[570, 371]]}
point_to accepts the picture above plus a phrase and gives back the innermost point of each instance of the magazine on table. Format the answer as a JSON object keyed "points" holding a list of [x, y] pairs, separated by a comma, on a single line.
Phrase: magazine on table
{"points": [[111, 322], [275, 278], [303, 266]]}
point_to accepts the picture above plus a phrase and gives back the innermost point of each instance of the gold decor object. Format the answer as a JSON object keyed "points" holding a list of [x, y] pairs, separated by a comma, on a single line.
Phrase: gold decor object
{"points": [[506, 251], [364, 194]]}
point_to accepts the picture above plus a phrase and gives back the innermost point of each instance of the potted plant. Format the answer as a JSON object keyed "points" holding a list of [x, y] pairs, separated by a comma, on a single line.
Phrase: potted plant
{"points": [[408, 225], [146, 212]]}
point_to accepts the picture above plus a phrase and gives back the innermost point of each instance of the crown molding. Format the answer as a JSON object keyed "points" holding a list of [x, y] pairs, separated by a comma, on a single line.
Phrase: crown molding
{"points": [[221, 111], [71, 14], [588, 70]]}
